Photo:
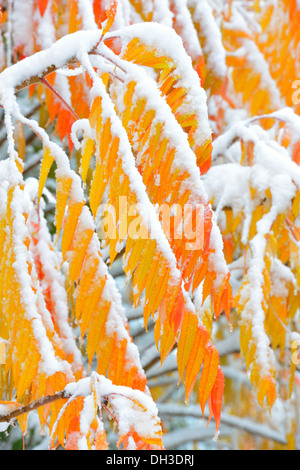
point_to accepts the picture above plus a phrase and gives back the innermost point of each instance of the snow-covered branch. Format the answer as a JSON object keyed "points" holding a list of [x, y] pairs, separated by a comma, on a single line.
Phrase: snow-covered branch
{"points": [[243, 424], [60, 54]]}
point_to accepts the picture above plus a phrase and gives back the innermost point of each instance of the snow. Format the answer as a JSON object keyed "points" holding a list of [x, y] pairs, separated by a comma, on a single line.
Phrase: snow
{"points": [[185, 159], [7, 408], [85, 9], [57, 55], [46, 31], [61, 86], [281, 275], [4, 426], [213, 46], [185, 28], [162, 13], [125, 7], [30, 295], [217, 262], [133, 409], [22, 20], [32, 305], [116, 317], [228, 185], [53, 278], [72, 46], [81, 126], [122, 17], [253, 309], [80, 388], [167, 43], [147, 213], [248, 48], [258, 62]]}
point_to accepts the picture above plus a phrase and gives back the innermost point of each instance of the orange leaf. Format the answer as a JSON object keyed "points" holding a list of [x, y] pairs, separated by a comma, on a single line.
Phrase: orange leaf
{"points": [[227, 300], [111, 12], [296, 153], [98, 12], [186, 340], [64, 123], [209, 374], [100, 441], [167, 340], [42, 6], [222, 300], [195, 360], [75, 209], [177, 313], [267, 388], [216, 397], [72, 440]]}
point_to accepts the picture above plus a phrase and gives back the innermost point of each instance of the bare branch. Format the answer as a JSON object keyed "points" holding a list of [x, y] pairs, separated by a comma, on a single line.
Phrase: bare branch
{"points": [[246, 425], [33, 406]]}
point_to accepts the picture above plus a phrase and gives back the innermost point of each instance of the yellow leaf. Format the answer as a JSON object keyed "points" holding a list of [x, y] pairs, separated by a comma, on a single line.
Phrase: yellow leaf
{"points": [[88, 150], [47, 162]]}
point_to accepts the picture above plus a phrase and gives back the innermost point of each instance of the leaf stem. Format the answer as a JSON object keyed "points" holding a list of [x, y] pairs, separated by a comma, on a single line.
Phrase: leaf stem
{"points": [[45, 82]]}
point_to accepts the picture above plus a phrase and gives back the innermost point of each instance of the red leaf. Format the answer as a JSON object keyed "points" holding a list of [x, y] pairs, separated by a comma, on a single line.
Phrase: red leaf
{"points": [[65, 121], [296, 153], [42, 6], [208, 374], [99, 12], [177, 314], [216, 397], [195, 360]]}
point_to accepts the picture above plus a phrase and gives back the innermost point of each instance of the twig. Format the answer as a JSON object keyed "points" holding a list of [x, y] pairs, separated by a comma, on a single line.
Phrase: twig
{"points": [[265, 116], [110, 413], [74, 114], [280, 321], [291, 229], [244, 424]]}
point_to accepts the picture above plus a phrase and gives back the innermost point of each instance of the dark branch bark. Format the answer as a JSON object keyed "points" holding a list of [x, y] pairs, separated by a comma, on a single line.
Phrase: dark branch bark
{"points": [[36, 79], [33, 406]]}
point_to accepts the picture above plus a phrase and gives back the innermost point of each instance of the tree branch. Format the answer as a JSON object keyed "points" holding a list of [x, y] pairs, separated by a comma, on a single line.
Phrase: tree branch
{"points": [[60, 54], [179, 437], [244, 424], [33, 406]]}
